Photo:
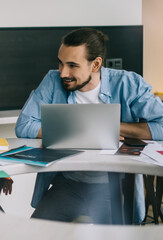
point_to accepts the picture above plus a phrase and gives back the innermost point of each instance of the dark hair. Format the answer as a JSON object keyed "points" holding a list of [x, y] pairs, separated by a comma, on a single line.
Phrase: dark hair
{"points": [[93, 39]]}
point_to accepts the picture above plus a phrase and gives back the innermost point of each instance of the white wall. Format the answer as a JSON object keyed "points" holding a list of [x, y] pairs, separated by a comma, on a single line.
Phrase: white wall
{"points": [[17, 13], [153, 43], [24, 13]]}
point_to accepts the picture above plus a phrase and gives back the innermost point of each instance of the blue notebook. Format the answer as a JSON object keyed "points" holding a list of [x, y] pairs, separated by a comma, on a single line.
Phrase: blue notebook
{"points": [[36, 156]]}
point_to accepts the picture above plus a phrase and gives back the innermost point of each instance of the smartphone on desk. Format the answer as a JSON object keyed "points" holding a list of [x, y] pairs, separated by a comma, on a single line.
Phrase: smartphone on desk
{"points": [[135, 142]]}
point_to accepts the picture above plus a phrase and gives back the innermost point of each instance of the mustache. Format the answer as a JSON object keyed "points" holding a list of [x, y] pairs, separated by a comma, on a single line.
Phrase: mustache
{"points": [[71, 79]]}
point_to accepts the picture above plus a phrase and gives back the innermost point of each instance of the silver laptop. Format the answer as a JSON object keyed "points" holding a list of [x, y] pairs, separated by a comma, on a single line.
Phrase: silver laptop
{"points": [[81, 126]]}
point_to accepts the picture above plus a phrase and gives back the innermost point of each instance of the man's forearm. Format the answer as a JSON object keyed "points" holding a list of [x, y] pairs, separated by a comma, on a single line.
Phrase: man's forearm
{"points": [[131, 130], [135, 130], [39, 135]]}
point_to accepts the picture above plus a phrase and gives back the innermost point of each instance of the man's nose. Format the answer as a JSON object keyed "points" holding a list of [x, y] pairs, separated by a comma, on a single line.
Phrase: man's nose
{"points": [[64, 72]]}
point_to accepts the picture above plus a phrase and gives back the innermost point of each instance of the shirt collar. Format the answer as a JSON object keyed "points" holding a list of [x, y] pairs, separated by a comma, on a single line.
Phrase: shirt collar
{"points": [[71, 98], [105, 86], [104, 93]]}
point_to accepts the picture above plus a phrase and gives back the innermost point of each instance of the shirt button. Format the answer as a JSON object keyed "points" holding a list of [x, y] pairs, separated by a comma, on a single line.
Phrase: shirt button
{"points": [[102, 94], [108, 93]]}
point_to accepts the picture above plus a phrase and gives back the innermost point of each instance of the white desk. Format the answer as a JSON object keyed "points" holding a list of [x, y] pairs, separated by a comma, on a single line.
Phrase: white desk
{"points": [[18, 228], [89, 160], [14, 228]]}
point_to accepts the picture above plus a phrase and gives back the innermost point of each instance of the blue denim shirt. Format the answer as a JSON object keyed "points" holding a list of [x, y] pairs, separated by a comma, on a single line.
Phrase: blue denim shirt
{"points": [[117, 86]]}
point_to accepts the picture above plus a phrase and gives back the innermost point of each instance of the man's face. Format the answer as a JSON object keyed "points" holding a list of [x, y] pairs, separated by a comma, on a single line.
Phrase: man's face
{"points": [[75, 69]]}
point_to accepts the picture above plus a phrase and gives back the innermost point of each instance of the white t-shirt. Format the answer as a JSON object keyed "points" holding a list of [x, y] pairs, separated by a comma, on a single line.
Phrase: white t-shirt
{"points": [[91, 96], [88, 176]]}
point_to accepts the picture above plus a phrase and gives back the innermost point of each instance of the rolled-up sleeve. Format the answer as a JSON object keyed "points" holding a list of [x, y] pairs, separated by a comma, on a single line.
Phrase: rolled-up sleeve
{"points": [[156, 130], [148, 108], [29, 121]]}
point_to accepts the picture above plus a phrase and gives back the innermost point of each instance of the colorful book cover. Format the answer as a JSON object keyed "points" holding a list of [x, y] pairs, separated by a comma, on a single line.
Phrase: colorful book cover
{"points": [[3, 174], [36, 156]]}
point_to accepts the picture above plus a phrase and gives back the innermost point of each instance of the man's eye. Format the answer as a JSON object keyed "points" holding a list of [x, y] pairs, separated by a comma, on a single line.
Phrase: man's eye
{"points": [[72, 66], [60, 64]]}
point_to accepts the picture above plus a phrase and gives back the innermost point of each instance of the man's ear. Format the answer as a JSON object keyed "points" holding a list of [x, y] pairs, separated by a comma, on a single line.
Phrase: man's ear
{"points": [[97, 64]]}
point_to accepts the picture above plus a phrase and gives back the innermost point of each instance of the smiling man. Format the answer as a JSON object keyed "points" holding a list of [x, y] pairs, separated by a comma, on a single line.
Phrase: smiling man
{"points": [[82, 79], [75, 71]]}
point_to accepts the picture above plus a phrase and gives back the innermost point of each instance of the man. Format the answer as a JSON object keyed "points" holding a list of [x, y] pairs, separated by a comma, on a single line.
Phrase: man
{"points": [[82, 79]]}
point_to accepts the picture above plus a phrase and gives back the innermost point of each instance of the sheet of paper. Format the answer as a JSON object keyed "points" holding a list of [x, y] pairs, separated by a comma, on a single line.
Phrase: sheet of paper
{"points": [[2, 163], [152, 153], [110, 151]]}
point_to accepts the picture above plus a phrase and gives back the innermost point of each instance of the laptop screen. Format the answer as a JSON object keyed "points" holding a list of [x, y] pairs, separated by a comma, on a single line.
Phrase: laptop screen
{"points": [[82, 126]]}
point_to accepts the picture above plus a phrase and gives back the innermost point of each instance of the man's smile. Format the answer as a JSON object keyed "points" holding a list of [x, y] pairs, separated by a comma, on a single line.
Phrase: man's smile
{"points": [[68, 80]]}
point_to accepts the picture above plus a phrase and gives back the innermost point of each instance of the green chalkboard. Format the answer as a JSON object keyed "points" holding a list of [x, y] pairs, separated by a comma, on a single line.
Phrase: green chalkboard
{"points": [[26, 55]]}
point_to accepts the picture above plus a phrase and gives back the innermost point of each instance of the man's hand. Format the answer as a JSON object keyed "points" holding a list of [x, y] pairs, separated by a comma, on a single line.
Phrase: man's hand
{"points": [[121, 138], [135, 130], [7, 186]]}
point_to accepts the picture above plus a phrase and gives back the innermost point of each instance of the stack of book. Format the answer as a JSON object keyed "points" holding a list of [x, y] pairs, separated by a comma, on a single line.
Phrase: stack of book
{"points": [[4, 146]]}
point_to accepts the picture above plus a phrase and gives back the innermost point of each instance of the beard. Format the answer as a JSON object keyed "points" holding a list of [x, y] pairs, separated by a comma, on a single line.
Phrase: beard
{"points": [[67, 87]]}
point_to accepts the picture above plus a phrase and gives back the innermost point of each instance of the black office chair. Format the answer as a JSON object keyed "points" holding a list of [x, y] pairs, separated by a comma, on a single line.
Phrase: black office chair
{"points": [[150, 199], [153, 197], [159, 196]]}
